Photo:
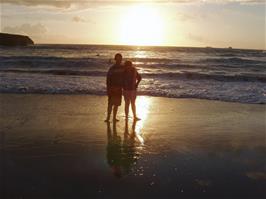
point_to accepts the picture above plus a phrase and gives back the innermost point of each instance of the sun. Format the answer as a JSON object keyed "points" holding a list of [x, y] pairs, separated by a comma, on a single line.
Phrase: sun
{"points": [[142, 25]]}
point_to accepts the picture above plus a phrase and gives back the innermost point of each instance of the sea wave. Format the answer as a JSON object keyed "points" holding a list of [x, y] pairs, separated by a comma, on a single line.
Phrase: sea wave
{"points": [[208, 73], [75, 63], [71, 60], [243, 92], [233, 60], [247, 77], [49, 62]]}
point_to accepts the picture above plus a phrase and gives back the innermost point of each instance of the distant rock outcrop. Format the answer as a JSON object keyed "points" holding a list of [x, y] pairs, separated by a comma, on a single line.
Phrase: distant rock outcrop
{"points": [[14, 40]]}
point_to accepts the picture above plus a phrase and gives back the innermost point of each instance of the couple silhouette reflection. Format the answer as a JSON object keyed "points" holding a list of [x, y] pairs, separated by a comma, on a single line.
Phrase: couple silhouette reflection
{"points": [[121, 155]]}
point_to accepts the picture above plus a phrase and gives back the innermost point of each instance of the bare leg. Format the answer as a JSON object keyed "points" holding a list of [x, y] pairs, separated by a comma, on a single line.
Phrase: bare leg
{"points": [[109, 111], [114, 113], [133, 107], [127, 103], [126, 129]]}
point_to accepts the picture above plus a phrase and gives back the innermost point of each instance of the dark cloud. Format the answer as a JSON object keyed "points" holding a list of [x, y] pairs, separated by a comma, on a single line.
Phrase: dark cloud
{"points": [[78, 19], [53, 3], [81, 19], [87, 3]]}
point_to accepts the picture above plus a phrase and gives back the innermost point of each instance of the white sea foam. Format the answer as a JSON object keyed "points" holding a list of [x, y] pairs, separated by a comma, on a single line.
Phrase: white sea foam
{"points": [[245, 92], [218, 74]]}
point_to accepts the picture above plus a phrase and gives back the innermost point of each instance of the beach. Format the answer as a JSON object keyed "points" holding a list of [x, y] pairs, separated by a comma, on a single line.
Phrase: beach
{"points": [[58, 146], [197, 68]]}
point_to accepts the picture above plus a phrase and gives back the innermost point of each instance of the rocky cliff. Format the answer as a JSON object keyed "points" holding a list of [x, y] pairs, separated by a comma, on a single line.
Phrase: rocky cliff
{"points": [[14, 40]]}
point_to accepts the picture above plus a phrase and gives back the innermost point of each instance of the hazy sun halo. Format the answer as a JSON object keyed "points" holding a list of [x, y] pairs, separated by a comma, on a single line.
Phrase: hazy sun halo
{"points": [[142, 25]]}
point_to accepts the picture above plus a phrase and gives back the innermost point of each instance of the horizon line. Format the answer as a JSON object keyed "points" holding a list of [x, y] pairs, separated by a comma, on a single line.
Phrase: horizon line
{"points": [[167, 46]]}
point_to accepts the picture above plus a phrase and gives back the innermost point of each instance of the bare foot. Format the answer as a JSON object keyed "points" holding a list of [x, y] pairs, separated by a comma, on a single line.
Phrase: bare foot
{"points": [[116, 120], [136, 119], [107, 120]]}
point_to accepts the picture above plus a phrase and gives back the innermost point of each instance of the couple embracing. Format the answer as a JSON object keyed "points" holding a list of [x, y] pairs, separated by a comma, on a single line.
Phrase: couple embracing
{"points": [[122, 79]]}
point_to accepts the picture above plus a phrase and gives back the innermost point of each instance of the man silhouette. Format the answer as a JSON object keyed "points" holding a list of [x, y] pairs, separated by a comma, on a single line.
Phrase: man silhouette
{"points": [[114, 84]]}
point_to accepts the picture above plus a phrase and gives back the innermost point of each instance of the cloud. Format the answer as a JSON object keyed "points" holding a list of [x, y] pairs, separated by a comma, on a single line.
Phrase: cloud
{"points": [[204, 40], [190, 16], [78, 19], [86, 3], [40, 33], [53, 3], [197, 38], [185, 17], [35, 30]]}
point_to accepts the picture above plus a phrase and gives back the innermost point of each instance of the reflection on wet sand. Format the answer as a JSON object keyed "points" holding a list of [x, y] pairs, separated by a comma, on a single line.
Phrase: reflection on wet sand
{"points": [[121, 155], [143, 105], [189, 149]]}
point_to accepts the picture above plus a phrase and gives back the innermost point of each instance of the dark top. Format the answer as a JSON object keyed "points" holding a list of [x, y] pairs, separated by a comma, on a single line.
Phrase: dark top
{"points": [[115, 77], [131, 76]]}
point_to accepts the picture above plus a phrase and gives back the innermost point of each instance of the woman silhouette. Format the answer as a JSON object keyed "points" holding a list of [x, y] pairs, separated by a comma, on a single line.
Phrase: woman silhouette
{"points": [[131, 81]]}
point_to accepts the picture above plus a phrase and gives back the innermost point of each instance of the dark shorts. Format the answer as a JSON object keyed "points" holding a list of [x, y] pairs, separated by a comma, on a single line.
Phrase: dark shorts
{"points": [[115, 96]]}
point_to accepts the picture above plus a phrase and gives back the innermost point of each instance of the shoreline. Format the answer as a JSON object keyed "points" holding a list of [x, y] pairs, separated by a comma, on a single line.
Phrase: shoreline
{"points": [[104, 95]]}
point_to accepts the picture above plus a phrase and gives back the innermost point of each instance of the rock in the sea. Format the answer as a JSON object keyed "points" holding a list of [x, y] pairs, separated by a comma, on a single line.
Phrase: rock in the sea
{"points": [[15, 40]]}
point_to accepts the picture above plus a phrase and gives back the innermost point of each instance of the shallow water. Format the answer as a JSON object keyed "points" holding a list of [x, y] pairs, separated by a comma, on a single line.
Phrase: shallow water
{"points": [[59, 147]]}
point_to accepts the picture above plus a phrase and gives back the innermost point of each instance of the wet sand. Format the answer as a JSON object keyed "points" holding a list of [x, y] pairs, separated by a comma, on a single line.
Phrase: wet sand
{"points": [[57, 146]]}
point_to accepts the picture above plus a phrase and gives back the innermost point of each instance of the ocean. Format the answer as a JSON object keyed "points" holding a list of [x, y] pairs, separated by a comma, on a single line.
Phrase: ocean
{"points": [[234, 75]]}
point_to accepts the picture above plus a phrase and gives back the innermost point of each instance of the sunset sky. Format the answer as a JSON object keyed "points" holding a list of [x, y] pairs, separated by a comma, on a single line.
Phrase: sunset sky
{"points": [[216, 23]]}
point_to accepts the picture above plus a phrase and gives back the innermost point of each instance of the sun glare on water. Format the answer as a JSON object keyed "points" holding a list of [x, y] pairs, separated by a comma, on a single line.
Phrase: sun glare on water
{"points": [[142, 25]]}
